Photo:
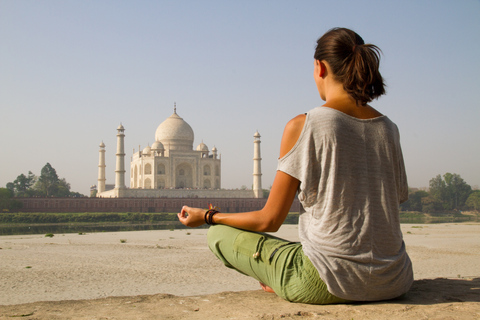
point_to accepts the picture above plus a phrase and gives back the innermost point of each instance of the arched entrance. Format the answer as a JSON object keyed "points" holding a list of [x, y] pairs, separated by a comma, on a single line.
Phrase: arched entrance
{"points": [[184, 176], [148, 183], [207, 184]]}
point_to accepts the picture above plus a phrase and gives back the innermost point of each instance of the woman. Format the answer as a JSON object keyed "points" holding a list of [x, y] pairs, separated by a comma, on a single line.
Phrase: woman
{"points": [[344, 160]]}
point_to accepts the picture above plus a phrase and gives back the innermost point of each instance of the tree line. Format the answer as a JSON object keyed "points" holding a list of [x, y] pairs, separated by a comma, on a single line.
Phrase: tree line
{"points": [[446, 194], [48, 184]]}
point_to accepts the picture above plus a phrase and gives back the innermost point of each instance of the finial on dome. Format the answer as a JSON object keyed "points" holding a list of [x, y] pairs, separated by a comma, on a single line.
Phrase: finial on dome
{"points": [[175, 107]]}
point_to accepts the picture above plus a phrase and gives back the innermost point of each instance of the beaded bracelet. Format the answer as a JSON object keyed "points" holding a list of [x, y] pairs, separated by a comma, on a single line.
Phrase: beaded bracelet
{"points": [[206, 216], [209, 215]]}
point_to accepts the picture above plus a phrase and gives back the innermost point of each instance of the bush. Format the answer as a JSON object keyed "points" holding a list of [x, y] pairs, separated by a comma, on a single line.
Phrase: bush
{"points": [[7, 203], [87, 217]]}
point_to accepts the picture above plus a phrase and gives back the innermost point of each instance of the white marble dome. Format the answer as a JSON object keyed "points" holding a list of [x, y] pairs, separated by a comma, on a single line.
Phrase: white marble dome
{"points": [[202, 147], [175, 134], [147, 150], [157, 146]]}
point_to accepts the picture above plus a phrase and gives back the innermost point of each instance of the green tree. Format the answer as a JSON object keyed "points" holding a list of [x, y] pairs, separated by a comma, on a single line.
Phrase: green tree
{"points": [[414, 202], [430, 205], [457, 191], [5, 193], [11, 186], [48, 182], [451, 192], [23, 184], [473, 200], [6, 202], [437, 188], [437, 191], [47, 185], [63, 189]]}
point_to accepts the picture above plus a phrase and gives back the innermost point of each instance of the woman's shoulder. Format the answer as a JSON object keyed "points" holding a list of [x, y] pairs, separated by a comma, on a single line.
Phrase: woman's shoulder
{"points": [[296, 122], [291, 133]]}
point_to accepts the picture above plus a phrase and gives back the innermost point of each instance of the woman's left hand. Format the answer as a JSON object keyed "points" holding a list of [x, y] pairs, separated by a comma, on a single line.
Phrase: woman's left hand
{"points": [[192, 217]]}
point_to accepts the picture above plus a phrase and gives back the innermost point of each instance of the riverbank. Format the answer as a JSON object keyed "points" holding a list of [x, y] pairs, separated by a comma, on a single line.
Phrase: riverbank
{"points": [[93, 222], [171, 274]]}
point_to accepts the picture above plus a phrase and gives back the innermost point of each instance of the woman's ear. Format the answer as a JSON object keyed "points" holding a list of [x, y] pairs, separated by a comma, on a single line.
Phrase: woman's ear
{"points": [[320, 69], [323, 68], [317, 70]]}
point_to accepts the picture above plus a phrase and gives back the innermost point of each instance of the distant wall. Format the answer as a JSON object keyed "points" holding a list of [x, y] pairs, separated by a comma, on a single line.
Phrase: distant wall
{"points": [[176, 193], [140, 204]]}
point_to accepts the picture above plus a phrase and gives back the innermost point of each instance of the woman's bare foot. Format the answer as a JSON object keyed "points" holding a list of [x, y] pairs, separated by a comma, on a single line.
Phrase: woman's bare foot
{"points": [[266, 288]]}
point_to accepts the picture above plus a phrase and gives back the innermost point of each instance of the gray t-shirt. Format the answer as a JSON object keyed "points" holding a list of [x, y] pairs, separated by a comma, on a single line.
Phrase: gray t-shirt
{"points": [[352, 180]]}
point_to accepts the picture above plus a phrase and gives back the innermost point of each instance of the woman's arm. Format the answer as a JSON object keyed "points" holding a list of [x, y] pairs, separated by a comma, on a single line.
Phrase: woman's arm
{"points": [[283, 191]]}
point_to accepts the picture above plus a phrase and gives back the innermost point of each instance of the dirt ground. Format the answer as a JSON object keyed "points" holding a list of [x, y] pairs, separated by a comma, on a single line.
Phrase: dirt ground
{"points": [[162, 275]]}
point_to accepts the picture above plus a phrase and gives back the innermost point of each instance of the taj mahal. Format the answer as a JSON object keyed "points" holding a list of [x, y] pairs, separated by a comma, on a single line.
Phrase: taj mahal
{"points": [[171, 168]]}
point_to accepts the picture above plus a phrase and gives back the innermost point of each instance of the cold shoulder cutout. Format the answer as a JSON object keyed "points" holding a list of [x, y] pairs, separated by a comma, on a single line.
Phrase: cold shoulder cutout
{"points": [[291, 133]]}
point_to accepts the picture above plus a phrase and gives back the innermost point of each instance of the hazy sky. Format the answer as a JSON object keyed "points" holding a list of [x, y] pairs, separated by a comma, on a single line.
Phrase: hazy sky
{"points": [[72, 71]]}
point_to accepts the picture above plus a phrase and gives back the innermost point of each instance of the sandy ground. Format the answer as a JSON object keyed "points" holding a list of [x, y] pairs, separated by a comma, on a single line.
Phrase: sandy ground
{"points": [[173, 275]]}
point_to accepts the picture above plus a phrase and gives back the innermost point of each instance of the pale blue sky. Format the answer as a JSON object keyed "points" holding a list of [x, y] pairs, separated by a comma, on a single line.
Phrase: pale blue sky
{"points": [[71, 71]]}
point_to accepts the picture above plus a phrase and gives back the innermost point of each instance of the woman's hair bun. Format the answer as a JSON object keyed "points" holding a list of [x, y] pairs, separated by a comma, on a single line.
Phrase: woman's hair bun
{"points": [[353, 63]]}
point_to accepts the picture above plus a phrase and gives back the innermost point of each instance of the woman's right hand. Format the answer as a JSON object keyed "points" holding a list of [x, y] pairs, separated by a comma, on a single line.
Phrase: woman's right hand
{"points": [[192, 217]]}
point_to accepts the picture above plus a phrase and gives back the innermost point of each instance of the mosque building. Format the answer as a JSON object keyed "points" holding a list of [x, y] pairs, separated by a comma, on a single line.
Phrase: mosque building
{"points": [[171, 168]]}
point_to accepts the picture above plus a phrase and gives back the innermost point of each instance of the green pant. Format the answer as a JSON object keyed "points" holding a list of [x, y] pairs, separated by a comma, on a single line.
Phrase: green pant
{"points": [[279, 264]]}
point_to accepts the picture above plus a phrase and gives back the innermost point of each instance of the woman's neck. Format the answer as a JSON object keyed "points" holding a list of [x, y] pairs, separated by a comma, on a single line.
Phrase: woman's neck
{"points": [[346, 104], [337, 98]]}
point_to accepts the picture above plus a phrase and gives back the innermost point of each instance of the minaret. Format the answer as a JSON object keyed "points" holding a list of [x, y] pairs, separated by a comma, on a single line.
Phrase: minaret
{"points": [[257, 168], [214, 152], [120, 167], [101, 169]]}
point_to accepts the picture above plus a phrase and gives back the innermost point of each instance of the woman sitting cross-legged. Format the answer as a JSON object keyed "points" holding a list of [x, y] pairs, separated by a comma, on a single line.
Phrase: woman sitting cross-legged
{"points": [[345, 162]]}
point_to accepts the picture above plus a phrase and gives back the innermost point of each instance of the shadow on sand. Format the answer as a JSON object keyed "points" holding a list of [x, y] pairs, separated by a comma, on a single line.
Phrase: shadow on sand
{"points": [[441, 290]]}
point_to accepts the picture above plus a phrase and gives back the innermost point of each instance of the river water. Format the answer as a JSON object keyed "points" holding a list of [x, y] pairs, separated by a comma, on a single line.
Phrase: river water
{"points": [[16, 229]]}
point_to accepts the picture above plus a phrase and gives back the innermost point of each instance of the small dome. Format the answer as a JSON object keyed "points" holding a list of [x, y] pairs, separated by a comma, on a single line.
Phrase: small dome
{"points": [[157, 146], [256, 135], [102, 145], [147, 150], [214, 149], [120, 127], [202, 147]]}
